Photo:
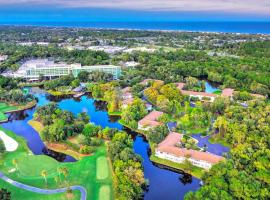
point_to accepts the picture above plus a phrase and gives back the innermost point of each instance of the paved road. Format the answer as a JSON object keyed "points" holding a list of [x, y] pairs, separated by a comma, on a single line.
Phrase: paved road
{"points": [[43, 191]]}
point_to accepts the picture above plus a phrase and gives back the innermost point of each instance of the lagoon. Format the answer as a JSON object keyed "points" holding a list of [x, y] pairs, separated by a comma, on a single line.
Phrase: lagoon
{"points": [[164, 183]]}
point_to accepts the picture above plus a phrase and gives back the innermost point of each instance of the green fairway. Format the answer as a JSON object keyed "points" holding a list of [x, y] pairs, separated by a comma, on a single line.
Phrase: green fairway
{"points": [[35, 167], [5, 108], [83, 172], [102, 168], [104, 193]]}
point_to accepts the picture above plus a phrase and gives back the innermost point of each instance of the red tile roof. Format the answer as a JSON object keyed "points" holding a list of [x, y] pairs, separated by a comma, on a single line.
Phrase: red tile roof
{"points": [[151, 119], [127, 101], [168, 146], [126, 90], [227, 92], [181, 85], [204, 94]]}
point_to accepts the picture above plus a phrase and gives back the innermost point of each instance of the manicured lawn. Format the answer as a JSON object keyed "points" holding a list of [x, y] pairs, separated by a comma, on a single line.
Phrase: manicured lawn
{"points": [[3, 117], [5, 108], [104, 192], [82, 172], [102, 168], [194, 171]]}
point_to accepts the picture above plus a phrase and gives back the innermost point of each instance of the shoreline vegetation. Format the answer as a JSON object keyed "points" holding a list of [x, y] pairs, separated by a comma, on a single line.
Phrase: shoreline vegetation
{"points": [[56, 146], [6, 108]]}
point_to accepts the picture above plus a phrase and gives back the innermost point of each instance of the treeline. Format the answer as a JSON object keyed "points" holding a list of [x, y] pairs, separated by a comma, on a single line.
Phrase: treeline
{"points": [[18, 53], [245, 73], [15, 97], [127, 167], [245, 174]]}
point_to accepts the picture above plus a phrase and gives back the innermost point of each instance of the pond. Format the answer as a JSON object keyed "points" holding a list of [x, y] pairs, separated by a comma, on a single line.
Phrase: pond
{"points": [[164, 183], [211, 87]]}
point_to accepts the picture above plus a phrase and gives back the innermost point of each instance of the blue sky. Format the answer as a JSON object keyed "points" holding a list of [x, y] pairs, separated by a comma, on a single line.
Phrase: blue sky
{"points": [[133, 10]]}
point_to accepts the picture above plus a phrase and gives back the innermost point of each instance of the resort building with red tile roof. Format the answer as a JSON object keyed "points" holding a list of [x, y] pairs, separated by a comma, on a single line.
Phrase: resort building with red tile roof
{"points": [[150, 121], [169, 149], [202, 96]]}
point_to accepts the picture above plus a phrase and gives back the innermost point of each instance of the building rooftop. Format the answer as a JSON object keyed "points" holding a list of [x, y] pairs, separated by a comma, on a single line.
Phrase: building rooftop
{"points": [[181, 85], [168, 145], [227, 92], [151, 119]]}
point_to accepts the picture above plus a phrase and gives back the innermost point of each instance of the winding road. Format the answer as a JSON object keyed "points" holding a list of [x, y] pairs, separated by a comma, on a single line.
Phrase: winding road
{"points": [[43, 191]]}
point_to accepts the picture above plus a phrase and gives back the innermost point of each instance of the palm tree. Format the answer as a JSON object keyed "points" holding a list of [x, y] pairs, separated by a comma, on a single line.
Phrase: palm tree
{"points": [[15, 163], [59, 170], [65, 172], [56, 179], [44, 173]]}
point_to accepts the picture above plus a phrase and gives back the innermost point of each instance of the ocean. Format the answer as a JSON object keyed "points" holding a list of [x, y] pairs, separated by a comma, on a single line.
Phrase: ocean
{"points": [[226, 27]]}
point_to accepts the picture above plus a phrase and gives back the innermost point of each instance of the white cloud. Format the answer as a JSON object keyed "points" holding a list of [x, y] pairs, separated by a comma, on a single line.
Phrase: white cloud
{"points": [[242, 6]]}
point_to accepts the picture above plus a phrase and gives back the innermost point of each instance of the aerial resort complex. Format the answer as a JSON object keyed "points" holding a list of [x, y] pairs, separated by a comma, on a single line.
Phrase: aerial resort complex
{"points": [[114, 114]]}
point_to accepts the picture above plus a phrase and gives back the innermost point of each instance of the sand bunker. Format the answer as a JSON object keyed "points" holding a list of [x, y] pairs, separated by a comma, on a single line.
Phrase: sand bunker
{"points": [[10, 143]]}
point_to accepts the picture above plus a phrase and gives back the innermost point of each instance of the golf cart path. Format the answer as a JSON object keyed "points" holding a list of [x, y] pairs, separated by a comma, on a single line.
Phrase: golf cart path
{"points": [[43, 191]]}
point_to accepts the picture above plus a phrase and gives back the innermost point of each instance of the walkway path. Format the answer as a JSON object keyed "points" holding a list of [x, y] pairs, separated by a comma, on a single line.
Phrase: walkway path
{"points": [[43, 191]]}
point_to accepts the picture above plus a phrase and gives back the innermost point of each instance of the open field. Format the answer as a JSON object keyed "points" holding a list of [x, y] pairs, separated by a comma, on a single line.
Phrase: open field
{"points": [[102, 168], [82, 172]]}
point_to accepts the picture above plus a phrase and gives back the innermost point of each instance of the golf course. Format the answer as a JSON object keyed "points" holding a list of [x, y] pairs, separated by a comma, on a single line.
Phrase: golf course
{"points": [[92, 173], [4, 108]]}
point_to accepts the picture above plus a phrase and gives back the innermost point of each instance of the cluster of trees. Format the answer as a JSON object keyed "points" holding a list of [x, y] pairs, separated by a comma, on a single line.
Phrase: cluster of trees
{"points": [[127, 167], [194, 84], [157, 134], [194, 118], [68, 80], [133, 113], [8, 83], [15, 96], [2, 147], [245, 174], [59, 125], [167, 97], [109, 92], [245, 73], [95, 76]]}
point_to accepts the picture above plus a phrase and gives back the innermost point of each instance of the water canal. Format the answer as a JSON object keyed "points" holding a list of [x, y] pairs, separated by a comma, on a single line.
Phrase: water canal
{"points": [[164, 183]]}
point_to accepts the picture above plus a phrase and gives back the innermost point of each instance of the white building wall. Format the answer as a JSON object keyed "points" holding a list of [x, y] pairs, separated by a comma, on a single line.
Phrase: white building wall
{"points": [[178, 159]]}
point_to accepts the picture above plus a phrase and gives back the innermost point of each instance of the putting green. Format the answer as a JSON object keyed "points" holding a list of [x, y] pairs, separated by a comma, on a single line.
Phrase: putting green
{"points": [[102, 168], [104, 192]]}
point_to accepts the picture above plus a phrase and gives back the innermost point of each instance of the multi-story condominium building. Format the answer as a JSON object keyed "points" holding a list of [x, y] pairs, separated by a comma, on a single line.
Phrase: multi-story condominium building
{"points": [[169, 150]]}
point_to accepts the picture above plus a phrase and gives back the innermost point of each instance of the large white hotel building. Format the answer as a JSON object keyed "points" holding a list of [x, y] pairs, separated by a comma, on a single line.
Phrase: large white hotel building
{"points": [[33, 69]]}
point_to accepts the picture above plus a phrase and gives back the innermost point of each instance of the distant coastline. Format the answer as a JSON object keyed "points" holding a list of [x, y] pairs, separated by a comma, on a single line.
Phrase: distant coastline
{"points": [[204, 27]]}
